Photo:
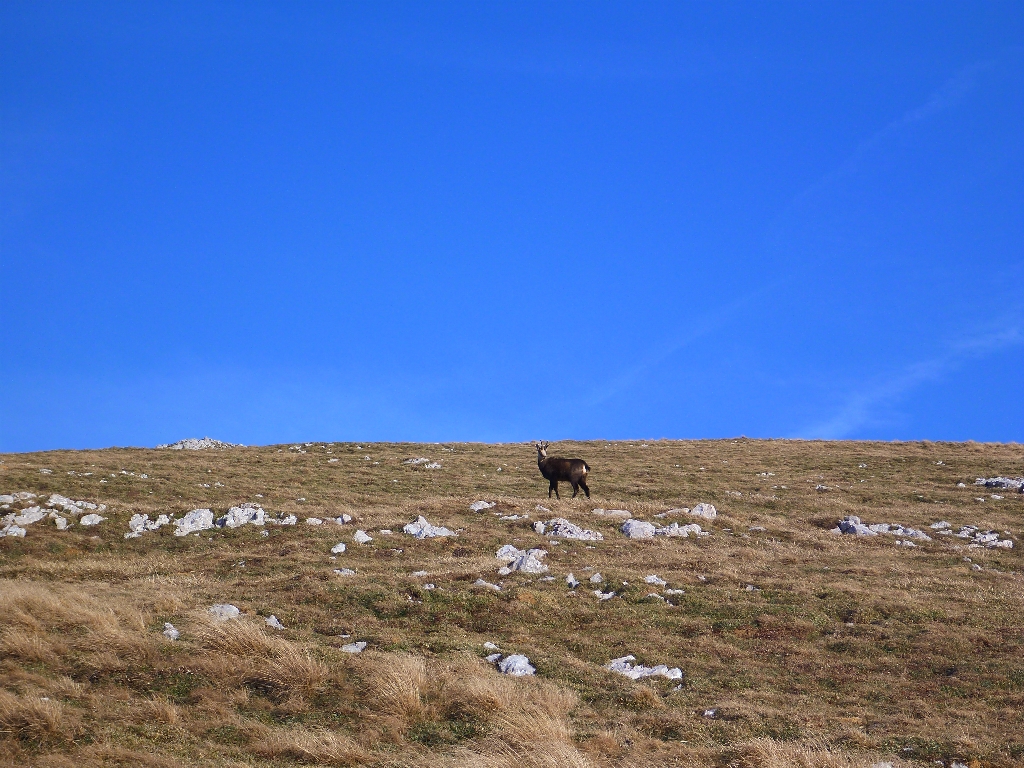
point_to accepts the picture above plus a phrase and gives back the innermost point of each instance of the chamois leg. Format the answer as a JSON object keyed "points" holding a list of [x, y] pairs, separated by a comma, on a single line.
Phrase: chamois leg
{"points": [[553, 486], [586, 490], [575, 488]]}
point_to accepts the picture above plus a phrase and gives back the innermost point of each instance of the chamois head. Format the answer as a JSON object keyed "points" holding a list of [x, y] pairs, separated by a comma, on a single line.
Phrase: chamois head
{"points": [[542, 449]]}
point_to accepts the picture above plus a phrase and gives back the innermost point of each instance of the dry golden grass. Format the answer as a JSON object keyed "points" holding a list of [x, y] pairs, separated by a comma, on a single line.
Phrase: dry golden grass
{"points": [[847, 653]]}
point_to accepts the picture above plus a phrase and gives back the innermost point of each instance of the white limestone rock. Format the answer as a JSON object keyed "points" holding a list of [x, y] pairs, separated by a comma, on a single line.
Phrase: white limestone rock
{"points": [[338, 548], [357, 647], [224, 611], [198, 444], [704, 511], [480, 506], [638, 529], [362, 537], [422, 529], [170, 632], [91, 519], [30, 516], [563, 529], [516, 665], [682, 531], [193, 522], [274, 623], [624, 666], [244, 514]]}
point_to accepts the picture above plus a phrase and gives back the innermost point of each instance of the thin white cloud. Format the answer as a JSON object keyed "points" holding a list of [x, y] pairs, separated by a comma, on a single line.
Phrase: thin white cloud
{"points": [[862, 407], [708, 322]]}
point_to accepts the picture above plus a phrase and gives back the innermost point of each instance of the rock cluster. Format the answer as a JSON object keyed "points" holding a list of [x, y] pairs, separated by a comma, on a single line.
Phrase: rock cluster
{"points": [[13, 523], [1010, 483], [421, 529], [561, 528], [639, 529], [852, 524], [198, 444], [528, 561], [977, 537], [624, 666]]}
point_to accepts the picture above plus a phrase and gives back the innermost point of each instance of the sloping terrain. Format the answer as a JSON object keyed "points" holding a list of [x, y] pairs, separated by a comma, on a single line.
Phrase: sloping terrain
{"points": [[798, 646]]}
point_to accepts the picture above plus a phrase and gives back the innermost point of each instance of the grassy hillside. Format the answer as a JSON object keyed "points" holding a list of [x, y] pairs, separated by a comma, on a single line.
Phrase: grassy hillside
{"points": [[799, 646]]}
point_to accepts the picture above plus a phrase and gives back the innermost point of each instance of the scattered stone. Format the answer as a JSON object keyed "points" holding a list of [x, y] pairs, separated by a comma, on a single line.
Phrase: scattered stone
{"points": [[491, 646], [516, 665], [436, 465], [851, 524], [487, 584], [563, 529], [653, 579], [711, 713], [528, 561], [194, 521], [314, 521], [572, 581], [493, 657], [675, 591], [361, 537], [140, 523], [344, 572], [638, 529], [224, 611], [13, 530], [539, 527], [619, 513], [420, 460], [1010, 483], [338, 548], [961, 485], [905, 543], [479, 506], [541, 508], [624, 667], [421, 529], [683, 531], [420, 574], [29, 516], [243, 514], [705, 511], [198, 444], [273, 622], [603, 595], [60, 522], [357, 647], [757, 528], [91, 519], [941, 525], [170, 632]]}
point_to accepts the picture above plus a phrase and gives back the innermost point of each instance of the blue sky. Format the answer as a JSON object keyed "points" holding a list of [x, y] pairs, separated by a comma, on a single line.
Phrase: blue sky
{"points": [[271, 222]]}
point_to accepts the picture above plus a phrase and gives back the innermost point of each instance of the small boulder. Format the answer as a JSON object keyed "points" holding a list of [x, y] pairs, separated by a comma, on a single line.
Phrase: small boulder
{"points": [[638, 529], [224, 611]]}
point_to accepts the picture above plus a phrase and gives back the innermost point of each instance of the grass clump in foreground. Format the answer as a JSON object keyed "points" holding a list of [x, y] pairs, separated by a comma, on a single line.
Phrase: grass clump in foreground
{"points": [[799, 647]]}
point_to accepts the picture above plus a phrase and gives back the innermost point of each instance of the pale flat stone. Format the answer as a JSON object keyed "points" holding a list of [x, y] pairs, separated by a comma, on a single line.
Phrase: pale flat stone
{"points": [[224, 611]]}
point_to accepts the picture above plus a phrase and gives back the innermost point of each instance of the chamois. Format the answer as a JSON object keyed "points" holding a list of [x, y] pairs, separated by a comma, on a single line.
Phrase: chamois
{"points": [[572, 471]]}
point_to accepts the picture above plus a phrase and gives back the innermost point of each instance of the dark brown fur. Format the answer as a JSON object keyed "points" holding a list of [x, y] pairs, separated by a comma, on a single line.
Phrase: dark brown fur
{"points": [[555, 470]]}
